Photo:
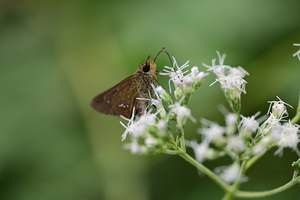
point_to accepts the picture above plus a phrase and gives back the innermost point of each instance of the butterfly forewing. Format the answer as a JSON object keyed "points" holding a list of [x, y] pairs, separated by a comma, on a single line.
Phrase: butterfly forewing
{"points": [[122, 98], [119, 100]]}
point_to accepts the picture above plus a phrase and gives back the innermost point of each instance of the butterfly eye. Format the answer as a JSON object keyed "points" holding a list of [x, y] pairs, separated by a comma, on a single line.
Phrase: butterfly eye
{"points": [[146, 68]]}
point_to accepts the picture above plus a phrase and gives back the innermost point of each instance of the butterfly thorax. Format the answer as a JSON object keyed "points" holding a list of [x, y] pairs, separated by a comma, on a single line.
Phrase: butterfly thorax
{"points": [[145, 78]]}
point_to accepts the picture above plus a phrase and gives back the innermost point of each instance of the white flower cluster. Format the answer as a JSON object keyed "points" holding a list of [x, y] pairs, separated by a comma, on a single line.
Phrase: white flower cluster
{"points": [[236, 141], [184, 84], [148, 133], [241, 139], [230, 78], [142, 128], [276, 131]]}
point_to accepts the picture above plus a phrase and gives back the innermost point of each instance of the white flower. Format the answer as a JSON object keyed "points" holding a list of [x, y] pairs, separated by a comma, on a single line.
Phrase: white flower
{"points": [[231, 79], [258, 149], [278, 109], [229, 174], [298, 52], [270, 123], [272, 138], [175, 75], [194, 72], [238, 71], [289, 138], [196, 75], [235, 85], [275, 134], [231, 121], [214, 133], [160, 90], [249, 125], [130, 122], [187, 83], [200, 76], [134, 147], [182, 113], [188, 80], [220, 69], [138, 127], [162, 126], [201, 150], [236, 144], [150, 141], [164, 95]]}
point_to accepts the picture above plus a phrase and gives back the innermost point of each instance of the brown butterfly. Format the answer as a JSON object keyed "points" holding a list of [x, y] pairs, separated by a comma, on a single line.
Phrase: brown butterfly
{"points": [[122, 98]]}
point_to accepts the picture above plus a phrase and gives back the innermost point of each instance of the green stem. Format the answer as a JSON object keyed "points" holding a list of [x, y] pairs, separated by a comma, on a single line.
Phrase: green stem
{"points": [[243, 194], [254, 159], [207, 171], [295, 174], [297, 117], [171, 152], [182, 143], [232, 190], [229, 195]]}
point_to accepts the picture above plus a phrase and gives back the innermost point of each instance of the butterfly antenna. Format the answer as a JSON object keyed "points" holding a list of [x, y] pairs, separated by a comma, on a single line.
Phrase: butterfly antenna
{"points": [[163, 50], [169, 58]]}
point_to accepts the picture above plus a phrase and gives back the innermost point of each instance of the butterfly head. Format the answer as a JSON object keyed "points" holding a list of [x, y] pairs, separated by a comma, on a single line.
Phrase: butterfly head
{"points": [[148, 67]]}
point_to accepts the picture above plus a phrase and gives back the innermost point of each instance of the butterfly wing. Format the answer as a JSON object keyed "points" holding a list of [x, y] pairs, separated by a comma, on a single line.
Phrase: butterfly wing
{"points": [[119, 100]]}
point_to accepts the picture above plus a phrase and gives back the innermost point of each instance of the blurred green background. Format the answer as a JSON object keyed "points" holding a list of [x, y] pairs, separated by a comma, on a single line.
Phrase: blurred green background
{"points": [[55, 56]]}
